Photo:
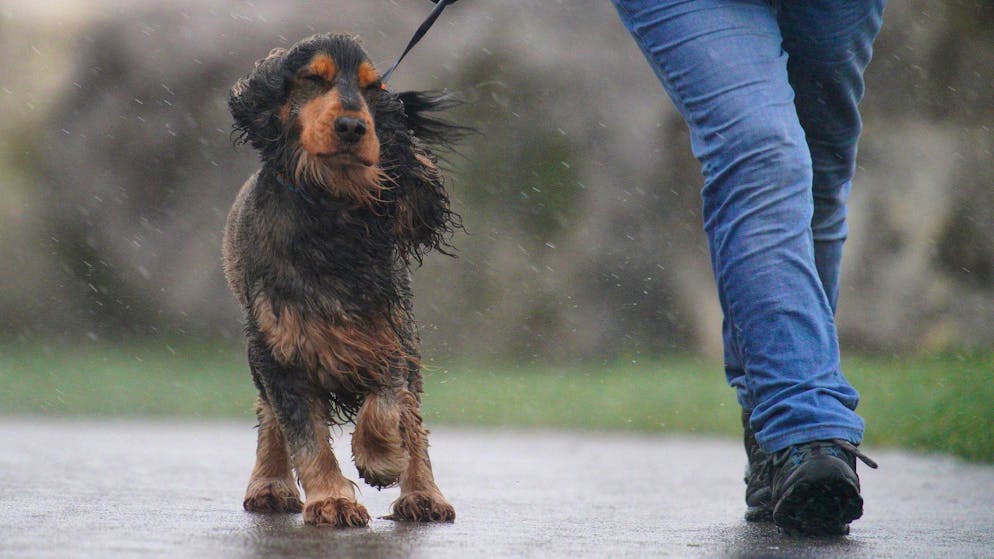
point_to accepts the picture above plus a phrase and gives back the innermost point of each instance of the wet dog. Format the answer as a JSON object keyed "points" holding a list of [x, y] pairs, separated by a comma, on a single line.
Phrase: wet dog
{"points": [[317, 250]]}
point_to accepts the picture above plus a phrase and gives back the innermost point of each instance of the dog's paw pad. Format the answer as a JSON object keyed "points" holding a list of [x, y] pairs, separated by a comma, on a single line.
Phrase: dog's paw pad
{"points": [[337, 512], [422, 506], [272, 495]]}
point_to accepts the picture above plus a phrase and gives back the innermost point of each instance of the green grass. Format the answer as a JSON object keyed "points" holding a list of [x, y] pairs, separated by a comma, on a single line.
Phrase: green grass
{"points": [[938, 403], [943, 403], [677, 394], [138, 380]]}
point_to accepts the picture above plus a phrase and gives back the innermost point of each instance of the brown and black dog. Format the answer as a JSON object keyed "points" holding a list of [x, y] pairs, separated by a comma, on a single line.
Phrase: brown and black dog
{"points": [[317, 250]]}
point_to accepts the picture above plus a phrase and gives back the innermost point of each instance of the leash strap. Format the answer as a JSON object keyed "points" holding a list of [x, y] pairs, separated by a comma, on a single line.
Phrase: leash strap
{"points": [[425, 26]]}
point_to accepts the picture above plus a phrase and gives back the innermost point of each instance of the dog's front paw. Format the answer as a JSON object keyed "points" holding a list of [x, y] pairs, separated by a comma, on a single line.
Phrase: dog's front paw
{"points": [[377, 444], [335, 511], [379, 479], [272, 495], [423, 506]]}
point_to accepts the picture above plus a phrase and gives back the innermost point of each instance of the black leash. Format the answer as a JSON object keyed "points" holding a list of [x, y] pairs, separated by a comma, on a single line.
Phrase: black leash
{"points": [[428, 22]]}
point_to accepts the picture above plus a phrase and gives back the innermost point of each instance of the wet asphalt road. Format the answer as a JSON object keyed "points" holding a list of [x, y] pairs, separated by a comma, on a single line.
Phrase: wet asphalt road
{"points": [[165, 489]]}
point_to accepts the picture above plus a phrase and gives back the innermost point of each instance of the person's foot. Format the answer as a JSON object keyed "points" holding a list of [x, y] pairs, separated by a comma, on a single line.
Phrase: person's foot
{"points": [[815, 488], [759, 500]]}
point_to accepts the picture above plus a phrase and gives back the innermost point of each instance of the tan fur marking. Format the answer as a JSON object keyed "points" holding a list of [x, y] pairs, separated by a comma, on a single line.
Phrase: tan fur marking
{"points": [[423, 506], [271, 486], [361, 184], [317, 467], [418, 475], [349, 171], [427, 162], [420, 498], [317, 120], [240, 87], [367, 75], [323, 65], [272, 454], [330, 495], [272, 495], [405, 220], [336, 512], [317, 117], [377, 448], [355, 353]]}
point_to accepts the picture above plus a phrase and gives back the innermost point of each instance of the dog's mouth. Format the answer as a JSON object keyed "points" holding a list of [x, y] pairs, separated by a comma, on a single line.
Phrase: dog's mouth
{"points": [[346, 158]]}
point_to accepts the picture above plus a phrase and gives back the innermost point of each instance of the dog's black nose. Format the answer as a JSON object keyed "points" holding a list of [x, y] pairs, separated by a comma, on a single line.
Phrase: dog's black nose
{"points": [[349, 129]]}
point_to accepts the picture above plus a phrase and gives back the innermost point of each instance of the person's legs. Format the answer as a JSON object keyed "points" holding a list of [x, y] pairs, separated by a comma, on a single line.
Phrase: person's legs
{"points": [[813, 486], [722, 64], [829, 45]]}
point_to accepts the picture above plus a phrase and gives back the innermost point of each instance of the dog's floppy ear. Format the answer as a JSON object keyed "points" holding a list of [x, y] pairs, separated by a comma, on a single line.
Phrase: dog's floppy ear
{"points": [[436, 132], [413, 132], [424, 220], [254, 101]]}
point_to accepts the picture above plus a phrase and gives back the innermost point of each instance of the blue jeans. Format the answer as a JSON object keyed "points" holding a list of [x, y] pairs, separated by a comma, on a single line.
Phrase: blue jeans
{"points": [[769, 91]]}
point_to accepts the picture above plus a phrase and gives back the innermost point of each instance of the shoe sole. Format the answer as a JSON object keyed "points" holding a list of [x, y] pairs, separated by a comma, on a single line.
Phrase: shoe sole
{"points": [[819, 507], [762, 513]]}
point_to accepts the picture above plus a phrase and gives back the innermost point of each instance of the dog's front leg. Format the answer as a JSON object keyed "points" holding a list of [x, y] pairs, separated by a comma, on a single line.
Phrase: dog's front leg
{"points": [[329, 495], [420, 498], [271, 487], [377, 447]]}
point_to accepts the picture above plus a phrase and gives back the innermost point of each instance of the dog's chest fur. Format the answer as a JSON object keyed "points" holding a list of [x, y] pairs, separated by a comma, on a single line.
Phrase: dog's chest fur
{"points": [[321, 255], [321, 281]]}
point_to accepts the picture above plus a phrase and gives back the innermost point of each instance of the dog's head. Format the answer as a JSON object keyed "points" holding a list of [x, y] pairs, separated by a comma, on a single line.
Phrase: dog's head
{"points": [[320, 117], [310, 111]]}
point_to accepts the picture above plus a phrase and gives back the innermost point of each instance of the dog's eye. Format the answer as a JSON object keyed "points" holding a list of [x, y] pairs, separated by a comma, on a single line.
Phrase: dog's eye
{"points": [[314, 78], [374, 86]]}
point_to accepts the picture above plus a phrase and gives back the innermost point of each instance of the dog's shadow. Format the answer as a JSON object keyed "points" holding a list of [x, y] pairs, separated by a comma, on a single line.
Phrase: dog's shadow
{"points": [[285, 535]]}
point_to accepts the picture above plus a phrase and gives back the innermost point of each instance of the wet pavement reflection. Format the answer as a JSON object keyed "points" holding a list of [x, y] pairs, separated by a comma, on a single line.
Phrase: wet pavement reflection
{"points": [[73, 488]]}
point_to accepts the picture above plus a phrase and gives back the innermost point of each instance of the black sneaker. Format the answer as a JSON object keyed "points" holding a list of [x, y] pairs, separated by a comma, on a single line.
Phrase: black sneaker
{"points": [[816, 489], [759, 497]]}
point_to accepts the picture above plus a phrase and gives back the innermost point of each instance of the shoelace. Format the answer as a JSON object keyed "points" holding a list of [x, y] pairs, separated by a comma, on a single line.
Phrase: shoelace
{"points": [[782, 456], [848, 446]]}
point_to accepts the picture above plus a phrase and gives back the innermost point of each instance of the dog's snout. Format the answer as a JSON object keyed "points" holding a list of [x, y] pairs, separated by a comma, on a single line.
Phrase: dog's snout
{"points": [[349, 129]]}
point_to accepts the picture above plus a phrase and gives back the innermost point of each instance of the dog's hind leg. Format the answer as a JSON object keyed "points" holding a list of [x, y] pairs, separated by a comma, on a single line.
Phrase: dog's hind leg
{"points": [[420, 498], [377, 447], [329, 496], [271, 487]]}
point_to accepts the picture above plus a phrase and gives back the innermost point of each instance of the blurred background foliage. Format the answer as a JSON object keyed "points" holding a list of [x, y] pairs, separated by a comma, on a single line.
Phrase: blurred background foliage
{"points": [[580, 195]]}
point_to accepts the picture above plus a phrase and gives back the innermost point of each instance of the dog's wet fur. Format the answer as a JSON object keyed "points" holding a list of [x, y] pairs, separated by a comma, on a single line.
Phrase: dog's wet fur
{"points": [[317, 250]]}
